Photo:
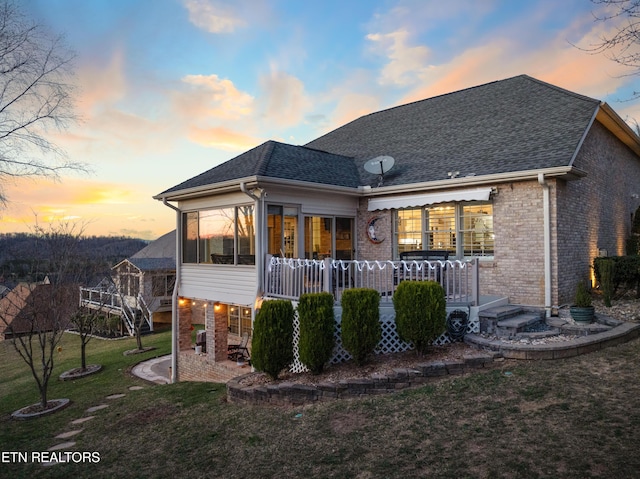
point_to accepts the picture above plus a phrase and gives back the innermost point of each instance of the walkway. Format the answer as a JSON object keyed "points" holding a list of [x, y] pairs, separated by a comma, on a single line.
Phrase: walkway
{"points": [[157, 370]]}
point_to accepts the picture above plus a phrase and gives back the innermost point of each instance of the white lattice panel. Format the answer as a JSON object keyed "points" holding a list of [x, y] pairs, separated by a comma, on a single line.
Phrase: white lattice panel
{"points": [[389, 343]]}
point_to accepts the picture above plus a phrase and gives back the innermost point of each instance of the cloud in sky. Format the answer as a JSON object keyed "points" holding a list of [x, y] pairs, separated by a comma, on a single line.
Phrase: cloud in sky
{"points": [[223, 138], [407, 64], [106, 207], [283, 98], [167, 95], [213, 16], [210, 96]]}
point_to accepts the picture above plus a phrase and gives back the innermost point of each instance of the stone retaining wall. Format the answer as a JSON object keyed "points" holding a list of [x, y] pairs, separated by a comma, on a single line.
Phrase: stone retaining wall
{"points": [[289, 393]]}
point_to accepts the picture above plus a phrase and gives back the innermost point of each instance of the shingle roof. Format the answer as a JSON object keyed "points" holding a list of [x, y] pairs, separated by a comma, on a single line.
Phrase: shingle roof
{"points": [[157, 255], [280, 160], [163, 247], [516, 124]]}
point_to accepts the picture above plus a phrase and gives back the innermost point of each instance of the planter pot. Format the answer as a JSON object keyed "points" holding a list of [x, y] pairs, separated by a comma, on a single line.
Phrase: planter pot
{"points": [[583, 315]]}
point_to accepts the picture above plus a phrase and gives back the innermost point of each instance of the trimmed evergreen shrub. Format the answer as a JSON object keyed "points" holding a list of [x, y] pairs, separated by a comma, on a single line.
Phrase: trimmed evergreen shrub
{"points": [[361, 330], [317, 323], [626, 274], [607, 272], [272, 341], [421, 312]]}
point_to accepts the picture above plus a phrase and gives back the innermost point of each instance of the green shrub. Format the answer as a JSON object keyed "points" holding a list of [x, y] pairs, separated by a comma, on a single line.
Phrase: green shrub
{"points": [[317, 324], [626, 274], [272, 341], [583, 297], [361, 329], [421, 312], [607, 272]]}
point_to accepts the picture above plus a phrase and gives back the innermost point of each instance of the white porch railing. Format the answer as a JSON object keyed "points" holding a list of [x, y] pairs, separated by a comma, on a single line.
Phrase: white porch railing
{"points": [[290, 277], [113, 302]]}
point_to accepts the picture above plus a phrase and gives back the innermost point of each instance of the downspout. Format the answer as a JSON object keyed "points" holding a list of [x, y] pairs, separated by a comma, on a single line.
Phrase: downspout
{"points": [[547, 243], [174, 298], [259, 246]]}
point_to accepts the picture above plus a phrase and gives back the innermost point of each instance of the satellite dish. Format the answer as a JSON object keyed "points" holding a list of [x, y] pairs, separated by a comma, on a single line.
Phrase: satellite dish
{"points": [[379, 166]]}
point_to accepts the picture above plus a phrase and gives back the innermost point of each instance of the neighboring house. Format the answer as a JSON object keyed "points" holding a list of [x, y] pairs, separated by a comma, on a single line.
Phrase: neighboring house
{"points": [[141, 285], [26, 308], [522, 182]]}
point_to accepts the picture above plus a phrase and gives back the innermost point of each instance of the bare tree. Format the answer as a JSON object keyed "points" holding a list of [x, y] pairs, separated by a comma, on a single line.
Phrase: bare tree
{"points": [[36, 314], [36, 98], [622, 46], [85, 321]]}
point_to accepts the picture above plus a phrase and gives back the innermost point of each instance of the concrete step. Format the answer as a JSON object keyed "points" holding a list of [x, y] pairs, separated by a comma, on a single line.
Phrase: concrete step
{"points": [[501, 312], [516, 324]]}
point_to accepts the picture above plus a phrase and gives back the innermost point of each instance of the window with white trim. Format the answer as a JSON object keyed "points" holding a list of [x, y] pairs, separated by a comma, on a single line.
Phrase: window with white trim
{"points": [[239, 320], [463, 229], [219, 236]]}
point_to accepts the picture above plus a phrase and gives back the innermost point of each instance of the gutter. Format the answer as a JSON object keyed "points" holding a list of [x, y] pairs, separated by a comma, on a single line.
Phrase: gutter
{"points": [[174, 297], [569, 172], [547, 243]]}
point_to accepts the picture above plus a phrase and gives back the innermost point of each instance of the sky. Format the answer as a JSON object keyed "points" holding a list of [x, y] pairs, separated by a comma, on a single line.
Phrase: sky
{"points": [[168, 89]]}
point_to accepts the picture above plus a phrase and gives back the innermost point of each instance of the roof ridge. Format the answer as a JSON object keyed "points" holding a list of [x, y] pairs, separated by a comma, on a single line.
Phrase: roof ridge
{"points": [[263, 163], [560, 89]]}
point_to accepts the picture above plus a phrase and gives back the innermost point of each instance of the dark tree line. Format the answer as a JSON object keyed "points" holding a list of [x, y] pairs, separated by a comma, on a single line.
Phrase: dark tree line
{"points": [[21, 256]]}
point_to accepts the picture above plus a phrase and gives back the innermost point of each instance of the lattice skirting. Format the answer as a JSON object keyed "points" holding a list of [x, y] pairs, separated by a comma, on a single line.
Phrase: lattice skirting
{"points": [[389, 343]]}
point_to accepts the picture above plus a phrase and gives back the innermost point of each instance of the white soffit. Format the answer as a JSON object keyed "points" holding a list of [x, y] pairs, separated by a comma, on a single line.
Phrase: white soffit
{"points": [[409, 201]]}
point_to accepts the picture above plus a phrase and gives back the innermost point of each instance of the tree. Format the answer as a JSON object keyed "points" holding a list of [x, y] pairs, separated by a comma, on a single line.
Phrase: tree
{"points": [[85, 322], [36, 97], [36, 314], [622, 45]]}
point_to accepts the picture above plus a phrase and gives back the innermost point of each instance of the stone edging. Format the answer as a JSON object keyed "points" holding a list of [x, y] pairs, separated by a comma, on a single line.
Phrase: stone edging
{"points": [[288, 393], [558, 350]]}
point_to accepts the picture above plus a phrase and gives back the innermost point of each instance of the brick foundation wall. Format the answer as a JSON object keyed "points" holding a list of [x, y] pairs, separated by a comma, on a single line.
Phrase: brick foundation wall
{"points": [[184, 324], [200, 367], [220, 333]]}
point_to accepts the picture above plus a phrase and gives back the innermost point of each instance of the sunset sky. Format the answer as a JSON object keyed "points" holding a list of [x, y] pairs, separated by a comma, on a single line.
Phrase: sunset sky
{"points": [[171, 88]]}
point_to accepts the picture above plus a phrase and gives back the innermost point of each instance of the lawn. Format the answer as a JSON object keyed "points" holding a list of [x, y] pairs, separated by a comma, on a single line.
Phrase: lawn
{"points": [[575, 418]]}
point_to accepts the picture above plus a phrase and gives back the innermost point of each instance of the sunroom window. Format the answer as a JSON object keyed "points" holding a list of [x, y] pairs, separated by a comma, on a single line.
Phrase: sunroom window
{"points": [[463, 229], [219, 236]]}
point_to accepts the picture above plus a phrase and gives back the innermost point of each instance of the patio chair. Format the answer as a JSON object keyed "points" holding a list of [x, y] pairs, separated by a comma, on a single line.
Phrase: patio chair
{"points": [[237, 351]]}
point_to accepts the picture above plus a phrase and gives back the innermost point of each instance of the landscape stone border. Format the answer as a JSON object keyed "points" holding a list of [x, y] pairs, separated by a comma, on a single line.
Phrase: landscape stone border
{"points": [[585, 344], [77, 373], [28, 412], [288, 393]]}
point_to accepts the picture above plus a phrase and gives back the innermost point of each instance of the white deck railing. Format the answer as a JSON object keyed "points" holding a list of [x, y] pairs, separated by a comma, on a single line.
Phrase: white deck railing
{"points": [[108, 300], [290, 277]]}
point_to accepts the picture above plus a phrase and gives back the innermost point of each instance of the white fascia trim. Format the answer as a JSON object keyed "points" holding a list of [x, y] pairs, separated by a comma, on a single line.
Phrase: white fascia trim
{"points": [[206, 190], [567, 171]]}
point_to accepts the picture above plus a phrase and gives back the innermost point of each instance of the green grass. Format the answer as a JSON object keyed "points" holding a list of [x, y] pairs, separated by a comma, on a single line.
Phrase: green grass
{"points": [[576, 418]]}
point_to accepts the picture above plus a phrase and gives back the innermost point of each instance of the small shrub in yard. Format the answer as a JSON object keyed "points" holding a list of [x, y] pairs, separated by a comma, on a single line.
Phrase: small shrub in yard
{"points": [[421, 312], [607, 272], [317, 322], [272, 341], [361, 329], [626, 273]]}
